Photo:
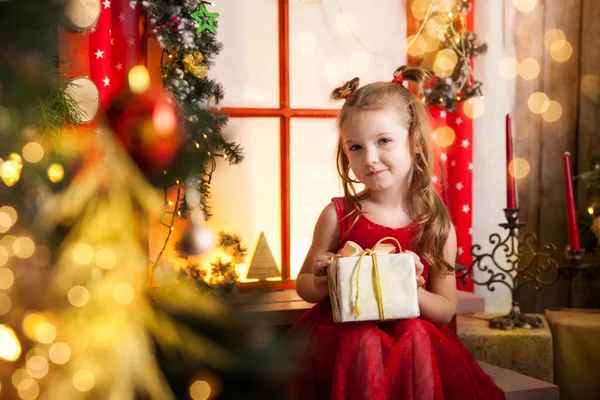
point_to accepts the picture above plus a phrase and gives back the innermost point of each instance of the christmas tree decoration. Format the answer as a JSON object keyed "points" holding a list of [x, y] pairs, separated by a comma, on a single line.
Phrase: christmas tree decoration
{"points": [[263, 264], [232, 245], [85, 94], [206, 20], [447, 50], [148, 128], [197, 240], [193, 64], [81, 15]]}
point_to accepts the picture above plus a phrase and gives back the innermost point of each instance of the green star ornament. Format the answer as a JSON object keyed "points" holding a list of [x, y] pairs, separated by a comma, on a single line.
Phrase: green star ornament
{"points": [[205, 19]]}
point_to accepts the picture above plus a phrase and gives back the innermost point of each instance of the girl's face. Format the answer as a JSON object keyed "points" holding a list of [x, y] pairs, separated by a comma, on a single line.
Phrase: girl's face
{"points": [[376, 142]]}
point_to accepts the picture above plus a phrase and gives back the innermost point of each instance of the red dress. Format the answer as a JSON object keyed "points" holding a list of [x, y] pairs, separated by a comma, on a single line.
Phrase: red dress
{"points": [[404, 359]]}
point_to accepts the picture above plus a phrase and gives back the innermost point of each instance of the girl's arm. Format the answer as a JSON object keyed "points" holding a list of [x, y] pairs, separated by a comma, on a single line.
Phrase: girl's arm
{"points": [[311, 286], [438, 303]]}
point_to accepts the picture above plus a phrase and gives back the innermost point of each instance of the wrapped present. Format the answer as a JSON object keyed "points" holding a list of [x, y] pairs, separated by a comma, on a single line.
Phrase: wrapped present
{"points": [[373, 284]]}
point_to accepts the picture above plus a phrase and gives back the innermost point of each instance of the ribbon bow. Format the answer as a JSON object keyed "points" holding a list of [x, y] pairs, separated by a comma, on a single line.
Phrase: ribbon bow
{"points": [[352, 249]]}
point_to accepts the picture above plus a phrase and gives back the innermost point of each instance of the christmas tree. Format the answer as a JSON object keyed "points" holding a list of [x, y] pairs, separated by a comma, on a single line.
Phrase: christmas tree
{"points": [[78, 317]]}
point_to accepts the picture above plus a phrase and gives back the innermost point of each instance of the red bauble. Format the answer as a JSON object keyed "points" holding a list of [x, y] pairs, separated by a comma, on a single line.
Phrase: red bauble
{"points": [[148, 127]]}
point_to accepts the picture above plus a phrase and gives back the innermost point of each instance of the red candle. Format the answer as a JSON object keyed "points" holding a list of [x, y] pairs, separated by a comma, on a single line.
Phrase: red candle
{"points": [[573, 229], [511, 188]]}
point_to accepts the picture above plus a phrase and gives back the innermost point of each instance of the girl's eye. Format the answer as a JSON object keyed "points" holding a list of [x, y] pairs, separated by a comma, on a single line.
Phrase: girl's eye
{"points": [[354, 147], [384, 141]]}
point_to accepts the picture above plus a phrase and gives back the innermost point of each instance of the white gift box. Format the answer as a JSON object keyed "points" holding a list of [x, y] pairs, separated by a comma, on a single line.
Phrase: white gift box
{"points": [[373, 287]]}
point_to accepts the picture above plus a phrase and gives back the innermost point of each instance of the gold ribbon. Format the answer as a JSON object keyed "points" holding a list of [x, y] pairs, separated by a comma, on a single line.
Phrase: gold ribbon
{"points": [[351, 249]]}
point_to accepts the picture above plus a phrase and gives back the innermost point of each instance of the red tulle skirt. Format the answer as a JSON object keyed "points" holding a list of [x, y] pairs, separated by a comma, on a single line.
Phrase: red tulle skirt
{"points": [[406, 359]]}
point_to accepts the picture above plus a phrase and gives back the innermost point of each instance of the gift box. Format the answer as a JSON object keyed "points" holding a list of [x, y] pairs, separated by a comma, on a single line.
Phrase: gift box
{"points": [[373, 284]]}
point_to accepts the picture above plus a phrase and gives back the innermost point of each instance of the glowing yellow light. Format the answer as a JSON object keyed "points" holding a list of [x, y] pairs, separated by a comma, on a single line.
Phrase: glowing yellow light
{"points": [[538, 102], [106, 258], [508, 68], [518, 168], [123, 293], [19, 376], [431, 44], [525, 5], [3, 256], [444, 136], [37, 351], [8, 217], [30, 323], [83, 254], [11, 169], [84, 380], [204, 136], [33, 152], [445, 62], [45, 332], [177, 181], [200, 390], [5, 304], [197, 145], [37, 367], [590, 86], [170, 203], [59, 353], [562, 50], [529, 69], [419, 8], [7, 278], [28, 389], [474, 107], [10, 348], [552, 39], [78, 296], [591, 210], [139, 79], [436, 26], [56, 172], [554, 111], [7, 242], [445, 6], [417, 47], [24, 247], [172, 228]]}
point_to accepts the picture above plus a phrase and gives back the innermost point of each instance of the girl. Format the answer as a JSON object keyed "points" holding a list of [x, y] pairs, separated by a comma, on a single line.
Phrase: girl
{"points": [[385, 141]]}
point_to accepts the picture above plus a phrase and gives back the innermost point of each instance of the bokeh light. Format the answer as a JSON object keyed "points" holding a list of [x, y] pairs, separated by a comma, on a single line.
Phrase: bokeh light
{"points": [[529, 69], [474, 107], [519, 168], [538, 102], [554, 111], [508, 68], [33, 152], [444, 136], [525, 5]]}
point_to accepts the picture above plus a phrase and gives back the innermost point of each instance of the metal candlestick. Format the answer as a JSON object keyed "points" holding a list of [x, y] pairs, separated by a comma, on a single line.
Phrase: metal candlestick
{"points": [[571, 268], [514, 276]]}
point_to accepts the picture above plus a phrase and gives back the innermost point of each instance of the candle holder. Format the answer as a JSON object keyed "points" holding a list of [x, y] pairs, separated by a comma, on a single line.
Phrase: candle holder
{"points": [[514, 275], [571, 268]]}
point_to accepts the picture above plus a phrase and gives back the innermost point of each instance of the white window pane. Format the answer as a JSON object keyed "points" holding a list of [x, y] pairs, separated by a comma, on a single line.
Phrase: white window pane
{"points": [[314, 180], [246, 196], [327, 49], [248, 65]]}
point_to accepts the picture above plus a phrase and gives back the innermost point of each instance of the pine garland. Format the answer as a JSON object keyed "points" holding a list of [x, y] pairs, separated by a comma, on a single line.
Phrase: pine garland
{"points": [[460, 86], [198, 96]]}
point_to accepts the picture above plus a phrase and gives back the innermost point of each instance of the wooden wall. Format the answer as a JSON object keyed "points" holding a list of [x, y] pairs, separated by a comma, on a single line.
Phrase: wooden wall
{"points": [[542, 194]]}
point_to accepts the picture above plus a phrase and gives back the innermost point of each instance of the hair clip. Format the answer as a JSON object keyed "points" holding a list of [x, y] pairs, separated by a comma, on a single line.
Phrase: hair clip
{"points": [[347, 89], [398, 75]]}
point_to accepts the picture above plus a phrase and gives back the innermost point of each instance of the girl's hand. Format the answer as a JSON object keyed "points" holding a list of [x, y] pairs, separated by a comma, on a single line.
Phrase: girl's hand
{"points": [[319, 271], [419, 268]]}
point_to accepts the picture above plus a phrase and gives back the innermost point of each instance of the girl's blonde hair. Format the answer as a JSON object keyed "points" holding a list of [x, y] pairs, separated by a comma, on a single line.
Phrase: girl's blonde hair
{"points": [[425, 205]]}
